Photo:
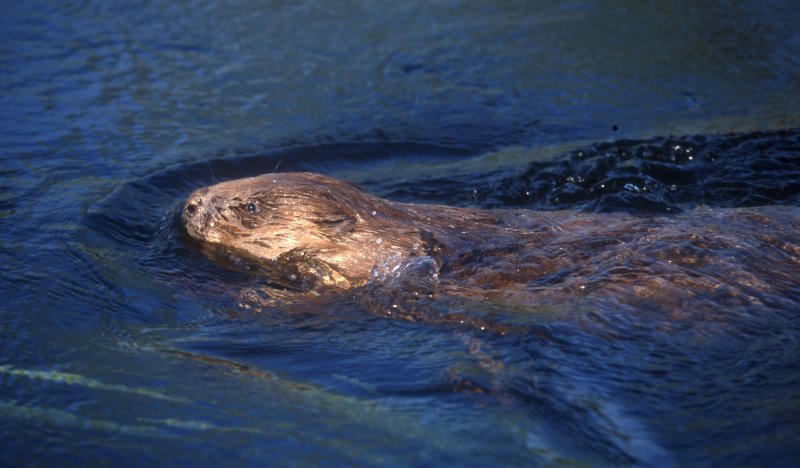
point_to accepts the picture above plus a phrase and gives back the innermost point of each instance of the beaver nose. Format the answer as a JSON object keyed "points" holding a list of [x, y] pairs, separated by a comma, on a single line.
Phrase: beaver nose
{"points": [[190, 210]]}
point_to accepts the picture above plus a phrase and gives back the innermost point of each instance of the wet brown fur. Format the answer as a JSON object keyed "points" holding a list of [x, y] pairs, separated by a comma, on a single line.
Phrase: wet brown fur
{"points": [[327, 233]]}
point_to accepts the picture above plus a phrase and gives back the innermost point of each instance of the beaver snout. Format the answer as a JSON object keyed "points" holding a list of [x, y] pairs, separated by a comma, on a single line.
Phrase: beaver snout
{"points": [[200, 213]]}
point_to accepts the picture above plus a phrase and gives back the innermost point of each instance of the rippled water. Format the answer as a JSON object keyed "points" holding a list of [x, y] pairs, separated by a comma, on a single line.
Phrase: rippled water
{"points": [[121, 343]]}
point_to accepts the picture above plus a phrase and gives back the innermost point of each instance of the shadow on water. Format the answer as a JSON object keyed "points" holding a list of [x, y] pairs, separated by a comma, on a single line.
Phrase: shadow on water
{"points": [[661, 175], [588, 383]]}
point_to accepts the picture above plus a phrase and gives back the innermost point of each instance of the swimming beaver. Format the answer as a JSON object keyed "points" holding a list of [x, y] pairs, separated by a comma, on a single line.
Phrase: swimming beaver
{"points": [[316, 233]]}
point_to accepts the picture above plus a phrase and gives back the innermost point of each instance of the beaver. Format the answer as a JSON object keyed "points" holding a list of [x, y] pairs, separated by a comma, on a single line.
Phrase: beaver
{"points": [[315, 233]]}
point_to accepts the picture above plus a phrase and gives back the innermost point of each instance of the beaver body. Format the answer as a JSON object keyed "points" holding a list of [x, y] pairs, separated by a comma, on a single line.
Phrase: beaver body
{"points": [[317, 233]]}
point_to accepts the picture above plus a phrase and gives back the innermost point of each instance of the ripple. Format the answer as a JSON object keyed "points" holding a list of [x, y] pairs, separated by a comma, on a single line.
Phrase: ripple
{"points": [[662, 175], [582, 368]]}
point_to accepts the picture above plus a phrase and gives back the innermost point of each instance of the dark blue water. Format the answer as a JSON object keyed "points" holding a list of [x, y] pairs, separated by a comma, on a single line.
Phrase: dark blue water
{"points": [[121, 343]]}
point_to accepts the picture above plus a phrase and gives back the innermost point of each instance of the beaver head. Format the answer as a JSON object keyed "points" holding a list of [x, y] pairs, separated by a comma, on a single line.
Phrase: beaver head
{"points": [[319, 228]]}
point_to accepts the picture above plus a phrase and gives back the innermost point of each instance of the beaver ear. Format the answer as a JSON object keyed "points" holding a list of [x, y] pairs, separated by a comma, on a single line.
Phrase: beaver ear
{"points": [[336, 223]]}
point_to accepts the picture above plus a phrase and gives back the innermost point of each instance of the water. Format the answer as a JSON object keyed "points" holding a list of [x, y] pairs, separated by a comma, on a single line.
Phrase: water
{"points": [[123, 344]]}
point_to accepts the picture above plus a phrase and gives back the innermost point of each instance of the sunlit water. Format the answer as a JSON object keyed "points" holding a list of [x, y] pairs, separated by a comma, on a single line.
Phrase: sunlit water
{"points": [[121, 343]]}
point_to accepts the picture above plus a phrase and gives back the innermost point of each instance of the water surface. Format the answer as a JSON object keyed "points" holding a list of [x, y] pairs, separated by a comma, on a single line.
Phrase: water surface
{"points": [[123, 344]]}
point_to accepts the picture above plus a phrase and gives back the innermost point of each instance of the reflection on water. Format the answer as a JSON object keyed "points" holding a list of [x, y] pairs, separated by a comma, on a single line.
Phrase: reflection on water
{"points": [[122, 343]]}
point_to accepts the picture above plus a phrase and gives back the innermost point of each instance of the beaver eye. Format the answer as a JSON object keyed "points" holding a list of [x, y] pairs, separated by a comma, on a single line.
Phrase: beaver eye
{"points": [[251, 207]]}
